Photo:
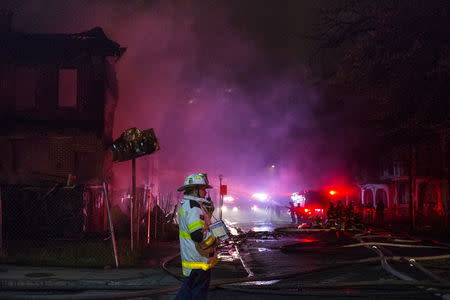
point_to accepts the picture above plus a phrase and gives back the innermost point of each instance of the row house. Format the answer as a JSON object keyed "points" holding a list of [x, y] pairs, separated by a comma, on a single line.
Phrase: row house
{"points": [[58, 94], [416, 172]]}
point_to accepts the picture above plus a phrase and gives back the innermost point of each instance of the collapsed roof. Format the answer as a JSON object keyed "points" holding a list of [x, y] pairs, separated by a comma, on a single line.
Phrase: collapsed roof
{"points": [[20, 47]]}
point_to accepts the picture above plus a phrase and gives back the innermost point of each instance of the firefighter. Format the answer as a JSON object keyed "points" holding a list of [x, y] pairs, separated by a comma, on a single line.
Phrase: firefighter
{"points": [[197, 244], [339, 214], [298, 213], [349, 216], [292, 212], [331, 216], [318, 223]]}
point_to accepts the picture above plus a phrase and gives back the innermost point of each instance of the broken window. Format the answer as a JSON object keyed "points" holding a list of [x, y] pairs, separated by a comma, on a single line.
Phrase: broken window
{"points": [[25, 88], [67, 88]]}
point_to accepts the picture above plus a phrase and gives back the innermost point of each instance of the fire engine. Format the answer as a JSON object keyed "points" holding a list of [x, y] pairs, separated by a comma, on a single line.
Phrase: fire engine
{"points": [[310, 206]]}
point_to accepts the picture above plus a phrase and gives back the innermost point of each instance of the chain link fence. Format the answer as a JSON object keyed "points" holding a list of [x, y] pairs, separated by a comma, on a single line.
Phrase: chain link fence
{"points": [[68, 226]]}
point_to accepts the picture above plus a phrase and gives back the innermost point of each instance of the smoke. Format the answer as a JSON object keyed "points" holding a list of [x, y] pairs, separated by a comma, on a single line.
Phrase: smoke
{"points": [[220, 102]]}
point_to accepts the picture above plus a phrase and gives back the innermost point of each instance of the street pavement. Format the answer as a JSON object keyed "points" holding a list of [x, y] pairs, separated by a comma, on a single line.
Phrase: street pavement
{"points": [[319, 253], [318, 257]]}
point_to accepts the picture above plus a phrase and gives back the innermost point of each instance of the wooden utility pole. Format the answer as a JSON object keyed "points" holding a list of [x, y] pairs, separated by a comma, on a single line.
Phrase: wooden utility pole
{"points": [[1, 225], [156, 215], [111, 225], [132, 201], [138, 221], [148, 215], [411, 185], [445, 150], [411, 169]]}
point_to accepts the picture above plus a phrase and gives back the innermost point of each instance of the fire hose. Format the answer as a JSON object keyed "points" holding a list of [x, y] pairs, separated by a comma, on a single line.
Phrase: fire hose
{"points": [[146, 291], [367, 244], [402, 258], [412, 262], [405, 241], [215, 283], [274, 289], [393, 245]]}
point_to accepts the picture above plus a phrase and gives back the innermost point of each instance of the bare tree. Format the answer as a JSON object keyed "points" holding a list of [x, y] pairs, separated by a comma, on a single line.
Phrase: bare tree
{"points": [[396, 55]]}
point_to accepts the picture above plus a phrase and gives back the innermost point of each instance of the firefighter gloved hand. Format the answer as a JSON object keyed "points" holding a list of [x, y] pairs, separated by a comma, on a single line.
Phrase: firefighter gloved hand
{"points": [[208, 246]]}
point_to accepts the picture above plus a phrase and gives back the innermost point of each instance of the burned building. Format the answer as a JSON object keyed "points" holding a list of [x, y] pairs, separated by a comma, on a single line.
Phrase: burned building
{"points": [[58, 96]]}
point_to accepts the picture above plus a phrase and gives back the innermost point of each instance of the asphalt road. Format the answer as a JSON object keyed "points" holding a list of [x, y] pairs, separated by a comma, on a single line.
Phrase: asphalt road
{"points": [[320, 264], [322, 259]]}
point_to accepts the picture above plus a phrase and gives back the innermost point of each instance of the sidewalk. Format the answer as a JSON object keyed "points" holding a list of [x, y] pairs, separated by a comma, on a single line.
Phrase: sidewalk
{"points": [[149, 276], [89, 283], [15, 278], [92, 282]]}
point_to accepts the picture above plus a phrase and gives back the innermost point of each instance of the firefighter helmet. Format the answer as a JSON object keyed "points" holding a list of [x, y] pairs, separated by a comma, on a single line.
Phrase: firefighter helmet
{"points": [[195, 180]]}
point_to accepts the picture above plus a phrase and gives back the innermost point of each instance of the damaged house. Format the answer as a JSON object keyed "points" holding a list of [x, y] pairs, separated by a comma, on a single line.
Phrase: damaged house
{"points": [[412, 173], [58, 95]]}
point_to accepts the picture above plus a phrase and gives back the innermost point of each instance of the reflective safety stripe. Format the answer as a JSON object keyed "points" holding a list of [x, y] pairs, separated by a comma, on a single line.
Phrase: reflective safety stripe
{"points": [[198, 265], [209, 241], [185, 235], [196, 225]]}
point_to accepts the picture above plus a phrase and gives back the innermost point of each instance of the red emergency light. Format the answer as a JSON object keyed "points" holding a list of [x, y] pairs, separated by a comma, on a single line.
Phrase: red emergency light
{"points": [[332, 192]]}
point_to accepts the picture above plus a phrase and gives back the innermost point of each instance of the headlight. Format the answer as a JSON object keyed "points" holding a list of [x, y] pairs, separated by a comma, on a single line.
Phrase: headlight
{"points": [[228, 198], [260, 196], [235, 209], [224, 208]]}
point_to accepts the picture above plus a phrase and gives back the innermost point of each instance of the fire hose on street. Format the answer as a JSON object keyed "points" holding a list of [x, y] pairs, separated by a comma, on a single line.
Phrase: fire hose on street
{"points": [[73, 286], [393, 245], [295, 289], [386, 266], [134, 291]]}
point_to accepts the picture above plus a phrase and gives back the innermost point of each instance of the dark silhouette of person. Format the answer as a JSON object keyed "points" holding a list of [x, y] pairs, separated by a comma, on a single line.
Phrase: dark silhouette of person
{"points": [[380, 212], [298, 213], [292, 212]]}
